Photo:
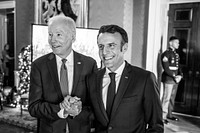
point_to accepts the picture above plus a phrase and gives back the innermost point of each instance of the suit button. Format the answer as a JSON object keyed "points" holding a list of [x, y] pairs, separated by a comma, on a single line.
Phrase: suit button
{"points": [[110, 128]]}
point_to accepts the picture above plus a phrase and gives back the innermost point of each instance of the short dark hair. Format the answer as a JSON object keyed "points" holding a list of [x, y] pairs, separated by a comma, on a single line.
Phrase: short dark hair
{"points": [[113, 29], [173, 38]]}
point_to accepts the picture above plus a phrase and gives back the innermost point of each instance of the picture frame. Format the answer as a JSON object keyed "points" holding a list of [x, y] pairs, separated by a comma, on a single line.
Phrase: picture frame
{"points": [[47, 8], [85, 43]]}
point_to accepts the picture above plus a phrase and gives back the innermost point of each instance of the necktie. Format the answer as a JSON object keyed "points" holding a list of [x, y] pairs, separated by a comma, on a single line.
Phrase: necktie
{"points": [[64, 79], [111, 94]]}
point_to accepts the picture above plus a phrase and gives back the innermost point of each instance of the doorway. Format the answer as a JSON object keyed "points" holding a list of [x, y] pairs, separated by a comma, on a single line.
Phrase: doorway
{"points": [[7, 37], [184, 22]]}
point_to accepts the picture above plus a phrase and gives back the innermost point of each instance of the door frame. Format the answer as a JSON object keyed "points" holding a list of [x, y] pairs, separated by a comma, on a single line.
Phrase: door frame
{"points": [[188, 92], [3, 6]]}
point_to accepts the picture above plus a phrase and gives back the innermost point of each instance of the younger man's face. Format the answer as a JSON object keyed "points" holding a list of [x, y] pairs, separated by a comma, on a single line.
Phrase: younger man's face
{"points": [[110, 50]]}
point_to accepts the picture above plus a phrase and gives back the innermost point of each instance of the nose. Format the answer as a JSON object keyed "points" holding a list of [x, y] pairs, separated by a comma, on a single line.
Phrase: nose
{"points": [[105, 50]]}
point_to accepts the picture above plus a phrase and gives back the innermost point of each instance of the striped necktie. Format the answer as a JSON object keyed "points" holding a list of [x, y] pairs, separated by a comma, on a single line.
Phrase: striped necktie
{"points": [[64, 79]]}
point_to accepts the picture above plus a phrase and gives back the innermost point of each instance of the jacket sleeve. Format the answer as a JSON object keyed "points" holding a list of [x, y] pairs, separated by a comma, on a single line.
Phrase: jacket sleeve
{"points": [[152, 106], [38, 107]]}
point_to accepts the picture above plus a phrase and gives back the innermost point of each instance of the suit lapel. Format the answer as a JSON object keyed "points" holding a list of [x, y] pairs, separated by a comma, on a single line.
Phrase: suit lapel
{"points": [[52, 67], [123, 84], [99, 93], [78, 66]]}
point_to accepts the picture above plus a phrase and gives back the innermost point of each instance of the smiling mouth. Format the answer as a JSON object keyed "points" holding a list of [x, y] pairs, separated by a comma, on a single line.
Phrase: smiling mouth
{"points": [[55, 46], [108, 58]]}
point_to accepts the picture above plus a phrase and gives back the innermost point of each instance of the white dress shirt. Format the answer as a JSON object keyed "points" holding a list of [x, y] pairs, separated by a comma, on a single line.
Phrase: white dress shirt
{"points": [[106, 82], [70, 69]]}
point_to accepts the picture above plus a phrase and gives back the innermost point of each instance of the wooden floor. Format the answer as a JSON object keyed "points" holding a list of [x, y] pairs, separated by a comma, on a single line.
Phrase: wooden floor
{"points": [[186, 124]]}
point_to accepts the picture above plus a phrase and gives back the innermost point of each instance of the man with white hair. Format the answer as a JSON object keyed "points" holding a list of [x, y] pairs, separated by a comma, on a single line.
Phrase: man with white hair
{"points": [[57, 82]]}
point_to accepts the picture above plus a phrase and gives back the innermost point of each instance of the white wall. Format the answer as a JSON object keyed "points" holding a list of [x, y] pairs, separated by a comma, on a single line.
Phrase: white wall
{"points": [[157, 33]]}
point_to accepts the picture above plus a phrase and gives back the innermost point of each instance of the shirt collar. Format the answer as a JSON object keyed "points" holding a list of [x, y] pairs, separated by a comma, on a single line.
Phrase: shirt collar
{"points": [[118, 71], [172, 49], [69, 57]]}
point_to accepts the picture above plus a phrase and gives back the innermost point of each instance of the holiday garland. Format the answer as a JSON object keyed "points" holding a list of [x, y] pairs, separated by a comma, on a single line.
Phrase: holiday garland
{"points": [[24, 69]]}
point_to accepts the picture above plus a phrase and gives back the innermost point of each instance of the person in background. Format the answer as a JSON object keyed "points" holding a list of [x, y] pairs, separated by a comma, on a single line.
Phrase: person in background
{"points": [[58, 95], [6, 58], [124, 98], [171, 76]]}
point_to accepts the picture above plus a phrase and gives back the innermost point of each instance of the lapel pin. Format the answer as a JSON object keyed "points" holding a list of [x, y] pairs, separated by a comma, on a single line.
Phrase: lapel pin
{"points": [[79, 63], [126, 77]]}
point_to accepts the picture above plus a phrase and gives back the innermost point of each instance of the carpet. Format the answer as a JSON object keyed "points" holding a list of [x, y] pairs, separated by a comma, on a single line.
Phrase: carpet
{"points": [[14, 116]]}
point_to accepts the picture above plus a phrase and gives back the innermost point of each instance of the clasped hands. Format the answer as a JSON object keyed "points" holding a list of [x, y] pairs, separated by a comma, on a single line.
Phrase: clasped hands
{"points": [[71, 105], [178, 78]]}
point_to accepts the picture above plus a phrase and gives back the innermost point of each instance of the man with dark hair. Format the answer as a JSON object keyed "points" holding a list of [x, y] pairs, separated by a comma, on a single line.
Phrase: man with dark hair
{"points": [[171, 76], [124, 98]]}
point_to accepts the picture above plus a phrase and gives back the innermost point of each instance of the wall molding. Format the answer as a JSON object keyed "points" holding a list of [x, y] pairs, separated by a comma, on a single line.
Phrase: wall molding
{"points": [[7, 4], [182, 1]]}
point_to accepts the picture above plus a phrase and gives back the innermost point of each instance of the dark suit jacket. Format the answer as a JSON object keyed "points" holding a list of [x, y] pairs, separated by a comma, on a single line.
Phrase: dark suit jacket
{"points": [[136, 109], [45, 94]]}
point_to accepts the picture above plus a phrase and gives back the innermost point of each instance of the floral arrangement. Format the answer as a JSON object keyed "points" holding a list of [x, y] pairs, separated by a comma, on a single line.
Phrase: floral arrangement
{"points": [[24, 69]]}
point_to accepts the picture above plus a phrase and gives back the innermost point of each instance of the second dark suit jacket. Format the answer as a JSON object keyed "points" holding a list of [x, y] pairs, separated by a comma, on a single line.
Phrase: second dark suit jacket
{"points": [[45, 94], [137, 107]]}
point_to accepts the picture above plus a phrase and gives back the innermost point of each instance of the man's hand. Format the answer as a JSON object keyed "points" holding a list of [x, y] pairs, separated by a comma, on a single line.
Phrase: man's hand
{"points": [[65, 103], [75, 105], [178, 78], [71, 105]]}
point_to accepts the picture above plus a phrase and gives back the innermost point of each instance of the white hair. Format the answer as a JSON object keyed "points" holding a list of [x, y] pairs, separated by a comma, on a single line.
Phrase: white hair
{"points": [[69, 22]]}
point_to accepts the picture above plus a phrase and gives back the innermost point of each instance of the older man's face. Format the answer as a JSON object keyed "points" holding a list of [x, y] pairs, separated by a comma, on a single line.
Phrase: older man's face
{"points": [[60, 39]]}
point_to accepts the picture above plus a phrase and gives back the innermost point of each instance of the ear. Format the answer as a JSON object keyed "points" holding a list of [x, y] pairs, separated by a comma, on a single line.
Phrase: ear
{"points": [[73, 38], [125, 47], [170, 43]]}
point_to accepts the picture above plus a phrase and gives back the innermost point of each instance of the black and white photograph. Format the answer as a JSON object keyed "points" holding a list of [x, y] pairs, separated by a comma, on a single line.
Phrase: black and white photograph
{"points": [[99, 66]]}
